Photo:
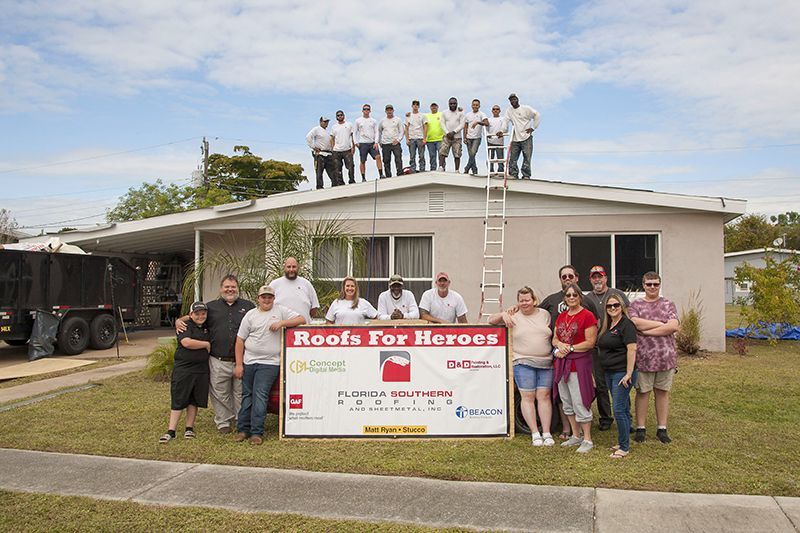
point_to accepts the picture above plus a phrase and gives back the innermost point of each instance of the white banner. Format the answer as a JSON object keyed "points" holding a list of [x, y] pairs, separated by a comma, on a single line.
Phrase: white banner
{"points": [[396, 381]]}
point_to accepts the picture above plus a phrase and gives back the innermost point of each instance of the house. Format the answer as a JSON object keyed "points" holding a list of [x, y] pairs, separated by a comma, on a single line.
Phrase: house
{"points": [[430, 222], [754, 258]]}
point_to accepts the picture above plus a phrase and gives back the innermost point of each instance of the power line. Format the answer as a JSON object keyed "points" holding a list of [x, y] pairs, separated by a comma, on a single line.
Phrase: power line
{"points": [[62, 221]]}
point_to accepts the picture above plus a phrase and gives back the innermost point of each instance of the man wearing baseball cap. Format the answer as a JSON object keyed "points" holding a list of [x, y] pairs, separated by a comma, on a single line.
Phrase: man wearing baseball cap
{"points": [[391, 133], [397, 303], [598, 296], [525, 119], [442, 305], [321, 143]]}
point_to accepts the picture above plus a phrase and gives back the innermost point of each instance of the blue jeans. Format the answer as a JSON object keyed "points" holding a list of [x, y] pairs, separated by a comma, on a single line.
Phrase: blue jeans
{"points": [[433, 153], [415, 145], [526, 147], [257, 381], [472, 150], [621, 402]]}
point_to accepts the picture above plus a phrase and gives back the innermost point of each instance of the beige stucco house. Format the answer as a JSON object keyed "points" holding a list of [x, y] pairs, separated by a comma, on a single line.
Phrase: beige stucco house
{"points": [[430, 222]]}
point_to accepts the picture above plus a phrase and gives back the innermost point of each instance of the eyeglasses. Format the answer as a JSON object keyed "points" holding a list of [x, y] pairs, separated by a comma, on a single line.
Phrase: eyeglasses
{"points": [[570, 295], [567, 276], [613, 306], [652, 284]]}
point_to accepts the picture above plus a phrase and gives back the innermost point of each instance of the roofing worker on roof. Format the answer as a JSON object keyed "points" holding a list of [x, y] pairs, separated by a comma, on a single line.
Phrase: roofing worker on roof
{"points": [[321, 144], [525, 119]]}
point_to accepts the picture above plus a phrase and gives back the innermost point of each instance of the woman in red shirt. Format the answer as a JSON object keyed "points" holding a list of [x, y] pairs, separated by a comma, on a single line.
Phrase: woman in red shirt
{"points": [[573, 342]]}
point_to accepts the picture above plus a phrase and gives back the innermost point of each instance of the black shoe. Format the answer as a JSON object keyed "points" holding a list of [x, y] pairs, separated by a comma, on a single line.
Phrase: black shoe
{"points": [[639, 436], [605, 425], [661, 434], [351, 182]]}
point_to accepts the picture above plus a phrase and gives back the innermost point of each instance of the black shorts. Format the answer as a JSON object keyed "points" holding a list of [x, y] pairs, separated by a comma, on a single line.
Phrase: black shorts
{"points": [[365, 149], [189, 389]]}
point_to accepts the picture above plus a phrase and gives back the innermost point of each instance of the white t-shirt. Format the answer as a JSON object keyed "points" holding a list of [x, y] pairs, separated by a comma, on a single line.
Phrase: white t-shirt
{"points": [[366, 130], [471, 118], [391, 130], [407, 304], [521, 118], [297, 294], [342, 312], [319, 138], [448, 308], [452, 121], [342, 136], [496, 124], [262, 345], [416, 122]]}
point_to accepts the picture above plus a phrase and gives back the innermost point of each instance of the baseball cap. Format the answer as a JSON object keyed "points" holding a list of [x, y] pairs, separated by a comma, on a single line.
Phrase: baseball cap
{"points": [[512, 95], [441, 275], [396, 280], [198, 306], [324, 119], [597, 270], [266, 289], [389, 106]]}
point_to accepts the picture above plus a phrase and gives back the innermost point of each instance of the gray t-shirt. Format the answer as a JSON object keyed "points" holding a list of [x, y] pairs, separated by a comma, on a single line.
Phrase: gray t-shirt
{"points": [[261, 344]]}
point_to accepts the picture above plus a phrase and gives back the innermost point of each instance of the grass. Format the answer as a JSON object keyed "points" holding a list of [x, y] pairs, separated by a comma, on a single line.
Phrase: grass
{"points": [[45, 512], [99, 363], [733, 317], [731, 421]]}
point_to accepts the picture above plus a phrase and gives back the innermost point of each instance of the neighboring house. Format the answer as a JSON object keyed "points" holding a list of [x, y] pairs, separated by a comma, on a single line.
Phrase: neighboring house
{"points": [[12, 235], [433, 221], [754, 258]]}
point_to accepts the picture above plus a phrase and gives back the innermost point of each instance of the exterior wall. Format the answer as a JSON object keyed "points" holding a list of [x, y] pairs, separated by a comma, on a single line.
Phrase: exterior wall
{"points": [[235, 241], [755, 259]]}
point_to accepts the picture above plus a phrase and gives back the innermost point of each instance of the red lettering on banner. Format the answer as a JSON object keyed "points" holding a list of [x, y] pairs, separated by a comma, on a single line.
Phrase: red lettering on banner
{"points": [[367, 336]]}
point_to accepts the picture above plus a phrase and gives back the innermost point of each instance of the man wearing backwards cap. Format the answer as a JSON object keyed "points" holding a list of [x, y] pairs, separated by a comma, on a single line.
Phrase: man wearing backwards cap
{"points": [[442, 305], [525, 119], [391, 133], [321, 143], [397, 303], [258, 355], [598, 296]]}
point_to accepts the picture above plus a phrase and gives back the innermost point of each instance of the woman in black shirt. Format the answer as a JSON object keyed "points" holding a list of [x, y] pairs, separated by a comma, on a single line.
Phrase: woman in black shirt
{"points": [[616, 348]]}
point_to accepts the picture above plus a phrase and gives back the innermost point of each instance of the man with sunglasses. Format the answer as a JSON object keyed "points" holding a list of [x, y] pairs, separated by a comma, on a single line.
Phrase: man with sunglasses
{"points": [[599, 296], [656, 321], [554, 304], [366, 135], [343, 148]]}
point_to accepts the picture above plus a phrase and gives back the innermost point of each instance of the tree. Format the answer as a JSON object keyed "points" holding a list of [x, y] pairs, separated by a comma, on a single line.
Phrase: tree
{"points": [[749, 232], [149, 200], [247, 176], [788, 226], [7, 226], [774, 296]]}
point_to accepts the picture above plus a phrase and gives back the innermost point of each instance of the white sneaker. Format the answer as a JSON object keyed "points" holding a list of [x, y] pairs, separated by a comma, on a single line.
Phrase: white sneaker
{"points": [[585, 447], [548, 440], [536, 439], [440, 169], [572, 441]]}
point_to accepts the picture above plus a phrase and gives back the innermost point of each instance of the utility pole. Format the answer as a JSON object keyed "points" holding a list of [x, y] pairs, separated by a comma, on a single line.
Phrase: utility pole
{"points": [[205, 162]]}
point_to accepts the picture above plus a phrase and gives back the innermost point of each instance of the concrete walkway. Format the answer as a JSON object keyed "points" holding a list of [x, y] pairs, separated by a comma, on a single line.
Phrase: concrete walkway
{"points": [[395, 499]]}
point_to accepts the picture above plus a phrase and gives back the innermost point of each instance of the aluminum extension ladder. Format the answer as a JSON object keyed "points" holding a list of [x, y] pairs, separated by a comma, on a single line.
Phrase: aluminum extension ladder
{"points": [[494, 227]]}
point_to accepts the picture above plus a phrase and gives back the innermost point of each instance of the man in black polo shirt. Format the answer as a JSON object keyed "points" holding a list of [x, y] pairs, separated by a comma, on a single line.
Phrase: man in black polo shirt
{"points": [[224, 318]]}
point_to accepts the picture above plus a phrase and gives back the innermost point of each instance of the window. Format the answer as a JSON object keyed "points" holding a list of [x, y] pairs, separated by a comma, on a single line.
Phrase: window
{"points": [[372, 260], [626, 257], [744, 286]]}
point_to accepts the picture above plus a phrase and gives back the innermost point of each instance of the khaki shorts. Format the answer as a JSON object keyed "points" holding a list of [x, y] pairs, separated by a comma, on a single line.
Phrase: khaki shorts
{"points": [[648, 381], [455, 144]]}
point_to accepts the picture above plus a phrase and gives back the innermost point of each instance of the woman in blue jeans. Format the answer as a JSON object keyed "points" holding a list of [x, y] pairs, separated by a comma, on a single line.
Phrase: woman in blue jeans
{"points": [[616, 348]]}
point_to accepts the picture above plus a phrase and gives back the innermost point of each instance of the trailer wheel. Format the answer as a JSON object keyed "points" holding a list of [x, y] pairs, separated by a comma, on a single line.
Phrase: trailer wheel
{"points": [[16, 342], [73, 336], [520, 425], [103, 332]]}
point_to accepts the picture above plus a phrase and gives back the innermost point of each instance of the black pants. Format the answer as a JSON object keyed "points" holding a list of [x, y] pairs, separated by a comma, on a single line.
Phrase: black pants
{"points": [[344, 159], [601, 391], [325, 162], [387, 150]]}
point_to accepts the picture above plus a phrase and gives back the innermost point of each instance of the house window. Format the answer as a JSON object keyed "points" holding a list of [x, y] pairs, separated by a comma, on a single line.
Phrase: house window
{"points": [[744, 286], [625, 256], [372, 260]]}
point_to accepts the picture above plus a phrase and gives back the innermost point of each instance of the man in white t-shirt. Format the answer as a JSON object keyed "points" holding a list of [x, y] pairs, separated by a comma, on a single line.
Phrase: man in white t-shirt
{"points": [[397, 303], [366, 135], [258, 357], [319, 140], [391, 134], [497, 129], [525, 119], [442, 305], [343, 147], [295, 292], [475, 120], [416, 132], [452, 122]]}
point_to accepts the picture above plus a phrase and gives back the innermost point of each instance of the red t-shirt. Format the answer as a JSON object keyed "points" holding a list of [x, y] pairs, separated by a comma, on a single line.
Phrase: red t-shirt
{"points": [[572, 329]]}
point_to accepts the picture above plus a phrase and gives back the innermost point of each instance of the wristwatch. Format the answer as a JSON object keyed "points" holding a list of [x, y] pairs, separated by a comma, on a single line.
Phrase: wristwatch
{"points": [[571, 348]]}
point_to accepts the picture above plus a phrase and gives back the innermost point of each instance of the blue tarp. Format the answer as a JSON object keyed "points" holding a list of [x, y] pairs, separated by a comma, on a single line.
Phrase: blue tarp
{"points": [[783, 332]]}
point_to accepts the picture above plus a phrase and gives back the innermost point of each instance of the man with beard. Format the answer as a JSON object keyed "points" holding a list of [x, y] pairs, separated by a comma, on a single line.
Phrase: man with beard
{"points": [[452, 121], [397, 303], [343, 147], [319, 140], [224, 318], [295, 292], [391, 133]]}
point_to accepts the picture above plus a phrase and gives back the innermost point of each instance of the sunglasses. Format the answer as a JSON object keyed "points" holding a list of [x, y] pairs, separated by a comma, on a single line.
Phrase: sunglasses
{"points": [[613, 306], [570, 295], [652, 284], [568, 276], [366, 109]]}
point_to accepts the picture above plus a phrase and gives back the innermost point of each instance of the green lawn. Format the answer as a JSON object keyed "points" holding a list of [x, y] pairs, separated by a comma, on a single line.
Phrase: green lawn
{"points": [[44, 512], [732, 316], [732, 423]]}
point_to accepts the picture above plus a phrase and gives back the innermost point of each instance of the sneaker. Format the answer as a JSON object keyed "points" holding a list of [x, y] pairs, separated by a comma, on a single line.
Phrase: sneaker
{"points": [[536, 439], [661, 434], [239, 437], [440, 169], [585, 447], [189, 434], [572, 441], [224, 430], [640, 435], [256, 439], [605, 425], [165, 438], [548, 440]]}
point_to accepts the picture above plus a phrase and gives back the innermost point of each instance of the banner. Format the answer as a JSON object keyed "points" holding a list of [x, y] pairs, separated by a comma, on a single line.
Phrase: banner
{"points": [[395, 381]]}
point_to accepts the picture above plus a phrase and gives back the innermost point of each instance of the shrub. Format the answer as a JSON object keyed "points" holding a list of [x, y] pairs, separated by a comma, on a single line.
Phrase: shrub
{"points": [[774, 296], [161, 360], [688, 336]]}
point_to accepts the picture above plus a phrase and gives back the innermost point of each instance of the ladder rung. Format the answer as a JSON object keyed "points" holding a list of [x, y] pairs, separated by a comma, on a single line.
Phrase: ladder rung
{"points": [[497, 215], [491, 300], [493, 271], [494, 242], [502, 160], [500, 228], [496, 201], [497, 285], [493, 256]]}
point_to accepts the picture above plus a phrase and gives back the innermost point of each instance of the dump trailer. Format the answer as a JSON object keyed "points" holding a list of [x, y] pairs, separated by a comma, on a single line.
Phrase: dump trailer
{"points": [[88, 294]]}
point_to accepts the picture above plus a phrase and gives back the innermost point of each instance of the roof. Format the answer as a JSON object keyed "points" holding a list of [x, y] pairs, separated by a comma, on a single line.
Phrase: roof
{"points": [[762, 251], [175, 232]]}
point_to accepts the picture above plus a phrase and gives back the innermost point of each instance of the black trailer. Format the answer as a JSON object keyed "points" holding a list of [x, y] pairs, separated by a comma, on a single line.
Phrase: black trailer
{"points": [[75, 288]]}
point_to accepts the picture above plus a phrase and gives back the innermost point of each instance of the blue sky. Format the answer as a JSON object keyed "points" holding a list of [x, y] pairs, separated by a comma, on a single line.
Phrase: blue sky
{"points": [[97, 96]]}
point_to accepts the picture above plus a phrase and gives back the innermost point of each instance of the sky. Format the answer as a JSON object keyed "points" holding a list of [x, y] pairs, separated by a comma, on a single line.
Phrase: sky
{"points": [[694, 97]]}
